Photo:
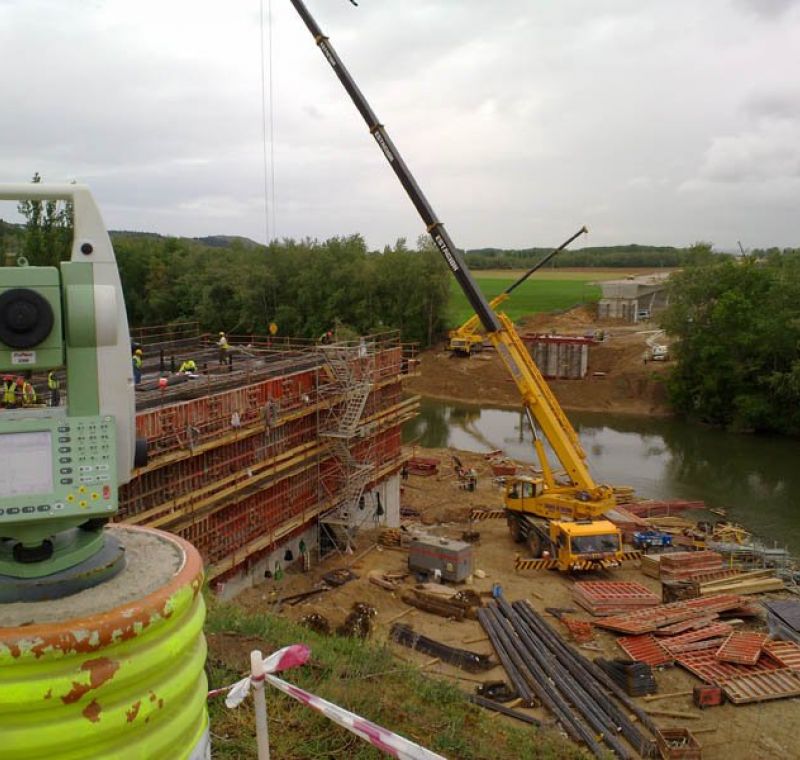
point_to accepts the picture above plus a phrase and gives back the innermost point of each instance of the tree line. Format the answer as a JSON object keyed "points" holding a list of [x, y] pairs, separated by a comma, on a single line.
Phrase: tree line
{"points": [[632, 255], [737, 325]]}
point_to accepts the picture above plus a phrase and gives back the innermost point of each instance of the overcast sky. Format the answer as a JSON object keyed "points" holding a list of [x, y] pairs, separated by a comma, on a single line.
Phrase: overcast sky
{"points": [[651, 122]]}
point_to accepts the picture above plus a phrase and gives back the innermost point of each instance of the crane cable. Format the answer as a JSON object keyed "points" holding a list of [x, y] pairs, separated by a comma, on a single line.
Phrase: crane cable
{"points": [[267, 116], [267, 108]]}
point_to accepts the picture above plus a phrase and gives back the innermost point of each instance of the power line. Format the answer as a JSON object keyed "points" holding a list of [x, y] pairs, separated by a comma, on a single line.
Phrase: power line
{"points": [[264, 119], [272, 126]]}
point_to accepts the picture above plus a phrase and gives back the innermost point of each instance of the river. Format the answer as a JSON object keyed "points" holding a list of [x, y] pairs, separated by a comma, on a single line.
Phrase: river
{"points": [[755, 478]]}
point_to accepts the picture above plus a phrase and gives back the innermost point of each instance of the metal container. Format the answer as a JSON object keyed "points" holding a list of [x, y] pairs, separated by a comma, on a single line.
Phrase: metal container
{"points": [[453, 559], [707, 696], [112, 672]]}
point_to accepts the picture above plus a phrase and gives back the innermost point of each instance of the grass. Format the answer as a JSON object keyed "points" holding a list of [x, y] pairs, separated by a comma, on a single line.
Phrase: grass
{"points": [[535, 295], [364, 678]]}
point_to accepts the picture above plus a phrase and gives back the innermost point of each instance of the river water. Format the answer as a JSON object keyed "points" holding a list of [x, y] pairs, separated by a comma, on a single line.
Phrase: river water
{"points": [[755, 478]]}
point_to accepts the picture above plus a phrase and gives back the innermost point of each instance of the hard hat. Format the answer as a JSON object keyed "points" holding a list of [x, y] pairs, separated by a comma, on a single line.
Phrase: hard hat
{"points": [[6, 378], [20, 381], [138, 351], [222, 333]]}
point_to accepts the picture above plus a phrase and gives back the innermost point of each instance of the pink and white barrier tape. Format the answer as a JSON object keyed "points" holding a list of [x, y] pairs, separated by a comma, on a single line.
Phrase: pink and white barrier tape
{"points": [[392, 744]]}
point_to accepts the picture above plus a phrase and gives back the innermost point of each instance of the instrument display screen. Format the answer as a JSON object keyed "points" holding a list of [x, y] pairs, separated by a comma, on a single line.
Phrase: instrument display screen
{"points": [[27, 463]]}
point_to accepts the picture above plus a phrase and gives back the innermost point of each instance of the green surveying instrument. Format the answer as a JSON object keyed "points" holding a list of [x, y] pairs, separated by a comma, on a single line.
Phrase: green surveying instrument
{"points": [[61, 465]]}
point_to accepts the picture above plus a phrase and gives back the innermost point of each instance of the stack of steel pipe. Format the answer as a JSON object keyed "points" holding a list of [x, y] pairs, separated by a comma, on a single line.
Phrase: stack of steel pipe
{"points": [[586, 702]]}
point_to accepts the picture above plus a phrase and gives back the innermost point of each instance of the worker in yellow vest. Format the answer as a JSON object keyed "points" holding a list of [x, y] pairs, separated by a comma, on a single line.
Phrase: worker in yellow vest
{"points": [[54, 385], [137, 366], [224, 347], [188, 367], [26, 393], [9, 398]]}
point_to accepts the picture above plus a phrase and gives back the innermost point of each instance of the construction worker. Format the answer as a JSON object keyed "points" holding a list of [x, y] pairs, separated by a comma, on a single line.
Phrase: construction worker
{"points": [[54, 385], [9, 392], [222, 345], [326, 337], [137, 366], [188, 367], [26, 393]]}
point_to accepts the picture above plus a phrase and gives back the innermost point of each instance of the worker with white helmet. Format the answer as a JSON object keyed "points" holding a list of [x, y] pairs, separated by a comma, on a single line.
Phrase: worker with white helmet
{"points": [[222, 345]]}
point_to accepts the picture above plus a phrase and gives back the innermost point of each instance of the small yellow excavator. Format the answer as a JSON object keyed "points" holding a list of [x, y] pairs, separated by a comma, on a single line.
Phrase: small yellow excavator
{"points": [[558, 519], [466, 340]]}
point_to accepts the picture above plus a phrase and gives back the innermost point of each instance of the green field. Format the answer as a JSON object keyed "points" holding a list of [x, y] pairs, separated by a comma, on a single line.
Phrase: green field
{"points": [[533, 296]]}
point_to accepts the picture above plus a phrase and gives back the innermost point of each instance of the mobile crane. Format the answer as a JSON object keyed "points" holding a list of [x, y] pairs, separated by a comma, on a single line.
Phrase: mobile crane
{"points": [[465, 340], [553, 517]]}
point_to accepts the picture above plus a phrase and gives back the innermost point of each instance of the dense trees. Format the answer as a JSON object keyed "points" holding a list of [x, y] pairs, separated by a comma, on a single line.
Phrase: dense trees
{"points": [[48, 230], [305, 287], [738, 328]]}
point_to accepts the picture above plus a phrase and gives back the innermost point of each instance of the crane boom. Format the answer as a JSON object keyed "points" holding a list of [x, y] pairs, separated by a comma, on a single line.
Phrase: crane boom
{"points": [[582, 497]]}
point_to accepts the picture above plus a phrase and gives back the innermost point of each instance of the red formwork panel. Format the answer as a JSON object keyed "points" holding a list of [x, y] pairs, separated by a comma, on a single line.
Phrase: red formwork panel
{"points": [[645, 648], [609, 597], [653, 618], [676, 644], [785, 653], [177, 479], [167, 428], [760, 687], [711, 670], [742, 647]]}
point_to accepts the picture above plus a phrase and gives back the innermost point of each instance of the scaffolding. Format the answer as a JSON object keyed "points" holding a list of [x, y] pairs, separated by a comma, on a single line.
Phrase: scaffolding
{"points": [[286, 438]]}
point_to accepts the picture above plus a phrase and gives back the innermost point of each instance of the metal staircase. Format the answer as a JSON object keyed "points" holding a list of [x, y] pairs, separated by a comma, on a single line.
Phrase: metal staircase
{"points": [[349, 369]]}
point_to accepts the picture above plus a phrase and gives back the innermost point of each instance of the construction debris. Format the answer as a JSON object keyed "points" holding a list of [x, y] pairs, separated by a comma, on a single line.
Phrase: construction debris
{"points": [[358, 624], [316, 622], [499, 691], [490, 704], [472, 662], [389, 581], [449, 607], [677, 744], [423, 466]]}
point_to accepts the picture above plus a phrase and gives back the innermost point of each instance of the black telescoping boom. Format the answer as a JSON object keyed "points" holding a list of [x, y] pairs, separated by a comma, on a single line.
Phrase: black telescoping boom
{"points": [[435, 228]]}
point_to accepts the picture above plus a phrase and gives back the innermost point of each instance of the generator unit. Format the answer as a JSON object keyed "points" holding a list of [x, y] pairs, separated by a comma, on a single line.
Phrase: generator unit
{"points": [[453, 559]]}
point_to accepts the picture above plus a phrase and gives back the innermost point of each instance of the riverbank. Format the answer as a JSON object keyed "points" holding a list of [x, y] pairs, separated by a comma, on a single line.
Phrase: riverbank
{"points": [[618, 379]]}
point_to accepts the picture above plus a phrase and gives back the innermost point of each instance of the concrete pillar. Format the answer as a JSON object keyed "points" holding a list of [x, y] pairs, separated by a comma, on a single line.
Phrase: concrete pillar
{"points": [[390, 497]]}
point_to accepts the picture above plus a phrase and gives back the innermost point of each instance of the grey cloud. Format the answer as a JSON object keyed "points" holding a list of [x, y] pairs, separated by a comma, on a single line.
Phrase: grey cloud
{"points": [[782, 105], [767, 8]]}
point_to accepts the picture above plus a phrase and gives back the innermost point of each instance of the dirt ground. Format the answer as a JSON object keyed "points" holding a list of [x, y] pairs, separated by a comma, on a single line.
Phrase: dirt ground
{"points": [[618, 379], [729, 732]]}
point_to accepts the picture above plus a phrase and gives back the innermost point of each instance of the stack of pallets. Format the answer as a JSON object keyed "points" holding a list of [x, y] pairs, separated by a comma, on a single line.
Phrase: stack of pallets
{"points": [[612, 597], [686, 566]]}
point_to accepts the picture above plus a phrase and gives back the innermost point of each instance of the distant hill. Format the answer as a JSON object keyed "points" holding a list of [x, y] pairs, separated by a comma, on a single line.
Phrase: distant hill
{"points": [[210, 241]]}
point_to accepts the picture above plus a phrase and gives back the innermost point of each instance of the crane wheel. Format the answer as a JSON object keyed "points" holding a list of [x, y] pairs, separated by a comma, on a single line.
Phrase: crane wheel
{"points": [[535, 544], [516, 530]]}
